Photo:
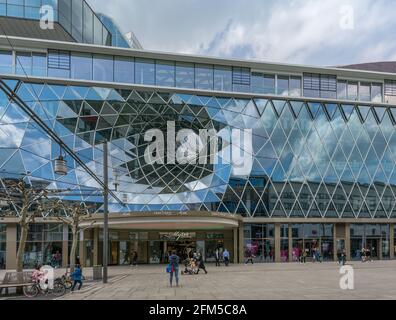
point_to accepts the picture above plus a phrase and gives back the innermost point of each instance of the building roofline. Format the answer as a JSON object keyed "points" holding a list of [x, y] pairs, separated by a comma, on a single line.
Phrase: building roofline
{"points": [[29, 43]]}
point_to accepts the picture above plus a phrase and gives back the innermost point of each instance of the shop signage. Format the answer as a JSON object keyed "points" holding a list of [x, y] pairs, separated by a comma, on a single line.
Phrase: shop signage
{"points": [[176, 236]]}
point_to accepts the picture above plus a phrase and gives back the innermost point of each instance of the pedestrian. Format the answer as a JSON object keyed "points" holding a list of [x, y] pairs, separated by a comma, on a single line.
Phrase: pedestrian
{"points": [[173, 268], [217, 257], [226, 257], [134, 258], [201, 264], [249, 256], [363, 254], [77, 277], [304, 256]]}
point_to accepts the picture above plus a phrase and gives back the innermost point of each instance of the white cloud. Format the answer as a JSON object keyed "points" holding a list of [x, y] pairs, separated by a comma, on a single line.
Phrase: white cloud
{"points": [[295, 31]]}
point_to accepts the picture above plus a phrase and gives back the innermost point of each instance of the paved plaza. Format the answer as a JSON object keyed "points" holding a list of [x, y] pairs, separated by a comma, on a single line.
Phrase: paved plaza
{"points": [[374, 280]]}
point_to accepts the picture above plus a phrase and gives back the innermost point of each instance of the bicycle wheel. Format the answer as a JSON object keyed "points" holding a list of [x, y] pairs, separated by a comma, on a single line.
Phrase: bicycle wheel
{"points": [[31, 291], [59, 289], [68, 284]]}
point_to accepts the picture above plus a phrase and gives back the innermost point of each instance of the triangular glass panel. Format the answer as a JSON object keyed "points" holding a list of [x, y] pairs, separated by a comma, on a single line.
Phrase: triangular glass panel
{"points": [[364, 111], [331, 109], [380, 112], [296, 106], [297, 212], [347, 110], [279, 105], [260, 104]]}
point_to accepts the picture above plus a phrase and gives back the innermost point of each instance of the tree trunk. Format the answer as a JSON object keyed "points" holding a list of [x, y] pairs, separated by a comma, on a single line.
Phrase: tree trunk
{"points": [[22, 245], [73, 251]]}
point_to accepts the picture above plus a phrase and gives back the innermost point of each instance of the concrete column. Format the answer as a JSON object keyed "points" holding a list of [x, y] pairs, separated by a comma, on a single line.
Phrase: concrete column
{"points": [[335, 257], [82, 249], [348, 241], [65, 246], [290, 244], [241, 244], [11, 246], [277, 243], [235, 236], [392, 241], [95, 246]]}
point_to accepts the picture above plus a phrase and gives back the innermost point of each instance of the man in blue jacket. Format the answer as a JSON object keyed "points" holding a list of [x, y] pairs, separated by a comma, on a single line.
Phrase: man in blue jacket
{"points": [[77, 276]]}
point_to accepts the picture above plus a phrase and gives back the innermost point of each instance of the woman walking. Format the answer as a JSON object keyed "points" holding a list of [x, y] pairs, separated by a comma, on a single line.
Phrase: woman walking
{"points": [[201, 264], [174, 268]]}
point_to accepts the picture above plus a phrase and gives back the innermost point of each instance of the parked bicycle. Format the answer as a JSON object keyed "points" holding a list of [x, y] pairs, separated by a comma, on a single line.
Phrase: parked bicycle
{"points": [[65, 280], [35, 289]]}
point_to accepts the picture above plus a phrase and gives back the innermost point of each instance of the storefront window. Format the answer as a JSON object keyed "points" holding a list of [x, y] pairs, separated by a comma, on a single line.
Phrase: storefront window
{"points": [[313, 237], [44, 245], [3, 239], [373, 237], [260, 242]]}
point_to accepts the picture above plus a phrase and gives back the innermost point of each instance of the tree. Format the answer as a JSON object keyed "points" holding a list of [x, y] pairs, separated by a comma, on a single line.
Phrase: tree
{"points": [[73, 214], [25, 203]]}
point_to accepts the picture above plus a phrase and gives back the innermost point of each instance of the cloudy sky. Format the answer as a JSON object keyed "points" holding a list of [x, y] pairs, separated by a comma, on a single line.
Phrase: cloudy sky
{"points": [[315, 32]]}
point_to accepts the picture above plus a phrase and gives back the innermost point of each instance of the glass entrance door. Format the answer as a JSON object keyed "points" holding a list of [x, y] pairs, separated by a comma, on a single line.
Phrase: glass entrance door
{"points": [[373, 246]]}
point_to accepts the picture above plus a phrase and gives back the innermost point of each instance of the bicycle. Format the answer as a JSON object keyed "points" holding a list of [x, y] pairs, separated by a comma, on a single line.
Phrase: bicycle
{"points": [[65, 280], [35, 289]]}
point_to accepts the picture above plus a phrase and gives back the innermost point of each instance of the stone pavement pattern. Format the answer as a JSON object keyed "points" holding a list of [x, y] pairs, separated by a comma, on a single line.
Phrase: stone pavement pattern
{"points": [[373, 280]]}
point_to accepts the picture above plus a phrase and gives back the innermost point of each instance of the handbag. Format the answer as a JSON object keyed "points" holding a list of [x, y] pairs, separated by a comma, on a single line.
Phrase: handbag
{"points": [[168, 268]]}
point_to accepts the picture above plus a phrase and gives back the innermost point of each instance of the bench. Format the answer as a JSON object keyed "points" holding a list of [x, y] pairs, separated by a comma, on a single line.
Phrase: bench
{"points": [[16, 280]]}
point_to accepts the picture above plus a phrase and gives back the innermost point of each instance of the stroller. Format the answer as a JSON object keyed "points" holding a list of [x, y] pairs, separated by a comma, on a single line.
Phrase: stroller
{"points": [[191, 267]]}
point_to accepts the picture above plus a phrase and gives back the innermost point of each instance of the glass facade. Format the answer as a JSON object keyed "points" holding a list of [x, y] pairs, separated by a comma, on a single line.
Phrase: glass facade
{"points": [[306, 160]]}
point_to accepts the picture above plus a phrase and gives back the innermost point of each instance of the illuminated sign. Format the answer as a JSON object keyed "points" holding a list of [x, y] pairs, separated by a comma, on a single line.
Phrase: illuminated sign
{"points": [[176, 236]]}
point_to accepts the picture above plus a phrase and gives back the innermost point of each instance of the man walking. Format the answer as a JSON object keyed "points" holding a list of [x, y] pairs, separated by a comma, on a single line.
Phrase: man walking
{"points": [[217, 257], [226, 257]]}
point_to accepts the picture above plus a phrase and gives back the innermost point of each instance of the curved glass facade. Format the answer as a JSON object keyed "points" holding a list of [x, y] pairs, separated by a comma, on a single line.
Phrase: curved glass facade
{"points": [[308, 159]]}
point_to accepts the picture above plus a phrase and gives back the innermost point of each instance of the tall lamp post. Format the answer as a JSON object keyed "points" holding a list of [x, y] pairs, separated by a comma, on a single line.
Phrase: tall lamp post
{"points": [[106, 211]]}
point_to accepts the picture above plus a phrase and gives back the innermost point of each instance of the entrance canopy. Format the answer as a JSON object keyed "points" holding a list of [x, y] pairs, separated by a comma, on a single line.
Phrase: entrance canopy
{"points": [[168, 221]]}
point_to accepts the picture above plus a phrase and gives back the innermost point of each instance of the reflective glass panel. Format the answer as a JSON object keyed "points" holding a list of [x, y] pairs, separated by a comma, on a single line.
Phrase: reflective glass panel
{"points": [[295, 87], [81, 66], [5, 61], [222, 78], [39, 64], [203, 77], [184, 75], [342, 90], [165, 73], [77, 20], [124, 70], [365, 91], [23, 63], [376, 92], [103, 68], [88, 30], [144, 71], [352, 91], [283, 86]]}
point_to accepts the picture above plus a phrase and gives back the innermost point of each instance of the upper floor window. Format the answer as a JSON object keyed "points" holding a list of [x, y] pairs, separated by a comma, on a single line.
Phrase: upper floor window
{"points": [[144, 71], [59, 64], [165, 73], [222, 78], [241, 79], [203, 77], [320, 86], [6, 64], [185, 75], [124, 70]]}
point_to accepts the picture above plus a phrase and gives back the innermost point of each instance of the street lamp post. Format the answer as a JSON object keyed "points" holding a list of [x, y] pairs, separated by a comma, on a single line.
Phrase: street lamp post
{"points": [[106, 211]]}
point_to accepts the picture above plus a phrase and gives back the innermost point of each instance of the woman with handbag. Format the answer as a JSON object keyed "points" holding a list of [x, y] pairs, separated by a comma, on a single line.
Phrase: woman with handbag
{"points": [[173, 268]]}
